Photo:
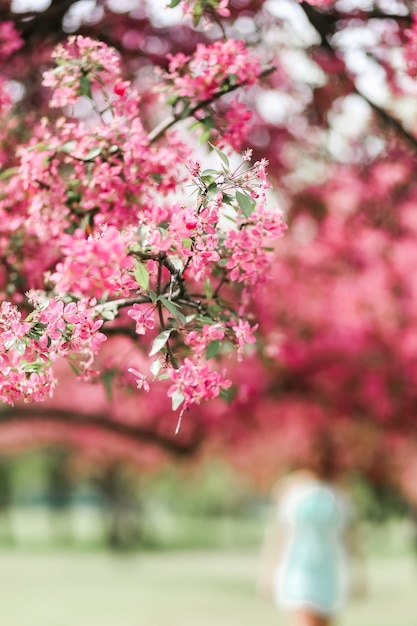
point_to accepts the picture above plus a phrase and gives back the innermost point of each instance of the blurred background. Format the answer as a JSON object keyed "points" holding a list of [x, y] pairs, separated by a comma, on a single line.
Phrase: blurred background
{"points": [[105, 515], [99, 544]]}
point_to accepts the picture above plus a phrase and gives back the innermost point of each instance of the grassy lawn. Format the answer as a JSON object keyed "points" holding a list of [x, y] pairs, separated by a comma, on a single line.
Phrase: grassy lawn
{"points": [[180, 588]]}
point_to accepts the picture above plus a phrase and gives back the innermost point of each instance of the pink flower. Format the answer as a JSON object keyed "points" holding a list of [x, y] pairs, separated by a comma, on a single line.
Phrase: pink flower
{"points": [[143, 317], [198, 340], [95, 264], [141, 382], [84, 63], [244, 335], [121, 87], [195, 382], [10, 40], [201, 76], [410, 49]]}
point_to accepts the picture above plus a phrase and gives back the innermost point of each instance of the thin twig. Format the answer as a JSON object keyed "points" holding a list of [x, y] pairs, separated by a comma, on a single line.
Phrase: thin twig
{"points": [[159, 130]]}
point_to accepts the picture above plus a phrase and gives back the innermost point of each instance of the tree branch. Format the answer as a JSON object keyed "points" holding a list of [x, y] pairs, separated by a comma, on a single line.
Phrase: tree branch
{"points": [[102, 423], [47, 22], [165, 125], [324, 24]]}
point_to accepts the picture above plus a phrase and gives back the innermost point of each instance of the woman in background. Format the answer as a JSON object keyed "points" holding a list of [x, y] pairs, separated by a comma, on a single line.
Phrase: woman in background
{"points": [[305, 566]]}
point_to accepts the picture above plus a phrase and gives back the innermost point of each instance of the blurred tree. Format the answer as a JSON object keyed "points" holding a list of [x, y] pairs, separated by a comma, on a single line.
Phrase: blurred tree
{"points": [[122, 507], [59, 488]]}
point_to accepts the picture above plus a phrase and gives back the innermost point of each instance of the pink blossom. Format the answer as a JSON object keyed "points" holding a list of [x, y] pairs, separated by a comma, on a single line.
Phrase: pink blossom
{"points": [[410, 49], [200, 77], [218, 6], [143, 316], [95, 264], [235, 127], [244, 335], [84, 63], [196, 382], [199, 340], [10, 40], [141, 381]]}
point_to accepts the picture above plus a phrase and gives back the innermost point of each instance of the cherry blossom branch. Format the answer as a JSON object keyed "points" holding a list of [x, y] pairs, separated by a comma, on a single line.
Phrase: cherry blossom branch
{"points": [[114, 237], [165, 125]]}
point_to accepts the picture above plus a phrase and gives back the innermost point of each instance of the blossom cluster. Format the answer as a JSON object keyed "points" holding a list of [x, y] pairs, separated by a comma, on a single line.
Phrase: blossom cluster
{"points": [[410, 49], [193, 382], [82, 64], [10, 40], [95, 264], [233, 127], [198, 8], [28, 347], [211, 69], [104, 227]]}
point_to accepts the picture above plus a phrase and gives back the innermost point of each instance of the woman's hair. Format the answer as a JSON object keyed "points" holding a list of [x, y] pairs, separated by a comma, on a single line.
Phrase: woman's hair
{"points": [[322, 458]]}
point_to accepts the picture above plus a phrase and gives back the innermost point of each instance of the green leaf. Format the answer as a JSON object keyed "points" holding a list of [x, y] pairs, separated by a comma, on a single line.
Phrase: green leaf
{"points": [[159, 341], [208, 289], [156, 367], [107, 378], [68, 146], [195, 125], [204, 319], [198, 14], [205, 136], [227, 394], [220, 154], [179, 317], [20, 346], [246, 204], [34, 366], [209, 122], [141, 275], [227, 198], [85, 86], [108, 314], [177, 400], [93, 154], [171, 306], [172, 100], [173, 4], [213, 348], [9, 172], [209, 173], [74, 368]]}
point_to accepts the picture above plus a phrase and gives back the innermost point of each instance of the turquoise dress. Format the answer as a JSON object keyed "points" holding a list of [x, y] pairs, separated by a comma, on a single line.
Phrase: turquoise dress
{"points": [[312, 573]]}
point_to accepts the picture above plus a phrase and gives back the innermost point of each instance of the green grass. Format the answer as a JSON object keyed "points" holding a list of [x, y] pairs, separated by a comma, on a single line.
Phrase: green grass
{"points": [[178, 588]]}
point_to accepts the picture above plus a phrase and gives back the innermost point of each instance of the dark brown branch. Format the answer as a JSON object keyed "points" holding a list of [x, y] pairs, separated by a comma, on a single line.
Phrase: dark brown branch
{"points": [[324, 24], [102, 423], [45, 23]]}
